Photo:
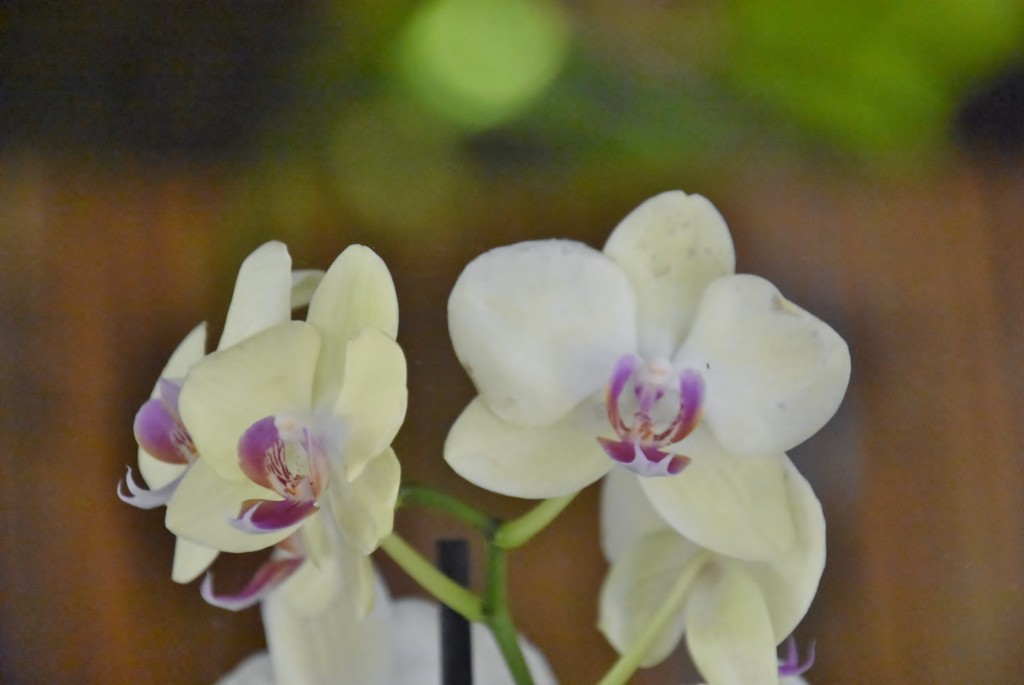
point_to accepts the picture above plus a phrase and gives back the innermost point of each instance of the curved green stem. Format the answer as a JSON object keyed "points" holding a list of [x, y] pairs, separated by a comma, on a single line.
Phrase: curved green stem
{"points": [[443, 588], [519, 531], [414, 494], [630, 660], [498, 618]]}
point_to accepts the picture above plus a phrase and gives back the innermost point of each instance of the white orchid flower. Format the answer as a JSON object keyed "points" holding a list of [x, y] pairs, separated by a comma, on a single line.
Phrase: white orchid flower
{"points": [[732, 611], [397, 643], [295, 424], [584, 360], [265, 292]]}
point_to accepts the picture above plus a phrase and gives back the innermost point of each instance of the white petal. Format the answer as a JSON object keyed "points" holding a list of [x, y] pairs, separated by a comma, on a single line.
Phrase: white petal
{"points": [[418, 651], [538, 326], [304, 284], [626, 513], [336, 646], [262, 296], [265, 375], [189, 351], [528, 462], [774, 374], [789, 581], [373, 397], [190, 559], [728, 631], [356, 293], [635, 590], [255, 669], [365, 508], [325, 545], [738, 506], [204, 503], [671, 247]]}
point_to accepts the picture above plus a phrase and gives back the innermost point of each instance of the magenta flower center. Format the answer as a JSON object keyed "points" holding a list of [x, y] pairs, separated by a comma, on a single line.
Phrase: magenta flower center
{"points": [[650, 406], [291, 456]]}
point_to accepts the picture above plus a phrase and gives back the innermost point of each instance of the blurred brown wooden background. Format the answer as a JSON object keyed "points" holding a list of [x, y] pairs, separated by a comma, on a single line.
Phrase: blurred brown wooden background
{"points": [[102, 272]]}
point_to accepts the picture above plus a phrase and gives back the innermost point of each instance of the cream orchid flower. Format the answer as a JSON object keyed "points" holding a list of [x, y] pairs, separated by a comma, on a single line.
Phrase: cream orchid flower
{"points": [[584, 360], [733, 611], [295, 424], [266, 291]]}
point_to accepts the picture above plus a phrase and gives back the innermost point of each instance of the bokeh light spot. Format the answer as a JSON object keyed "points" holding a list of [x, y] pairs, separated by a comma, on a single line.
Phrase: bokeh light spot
{"points": [[482, 62]]}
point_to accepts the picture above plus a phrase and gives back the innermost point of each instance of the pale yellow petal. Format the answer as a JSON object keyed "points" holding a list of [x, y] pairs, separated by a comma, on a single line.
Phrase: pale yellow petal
{"points": [[774, 374], [539, 325], [262, 296], [365, 507], [268, 374], [671, 247], [190, 560], [635, 590], [732, 505], [202, 506], [533, 463], [373, 398], [356, 293], [728, 631]]}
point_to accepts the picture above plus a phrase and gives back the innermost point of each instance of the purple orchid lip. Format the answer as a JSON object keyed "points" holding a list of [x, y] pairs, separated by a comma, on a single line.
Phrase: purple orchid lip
{"points": [[142, 498], [792, 666], [641, 439], [159, 431], [267, 577], [644, 460], [266, 516], [286, 455]]}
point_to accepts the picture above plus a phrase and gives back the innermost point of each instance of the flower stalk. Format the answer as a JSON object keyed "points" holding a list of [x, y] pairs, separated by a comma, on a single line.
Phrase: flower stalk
{"points": [[443, 588]]}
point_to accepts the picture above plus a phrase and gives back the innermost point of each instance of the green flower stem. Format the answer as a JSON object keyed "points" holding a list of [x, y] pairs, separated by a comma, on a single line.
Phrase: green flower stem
{"points": [[519, 531], [630, 660], [498, 618], [443, 588], [413, 494]]}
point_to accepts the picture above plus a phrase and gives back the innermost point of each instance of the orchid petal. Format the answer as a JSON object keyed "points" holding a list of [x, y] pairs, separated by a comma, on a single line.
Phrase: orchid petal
{"points": [[626, 513], [635, 590], [671, 247], [204, 504], [267, 577], [790, 579], [190, 559], [230, 390], [738, 506], [335, 565], [304, 284], [262, 296], [528, 462], [267, 516], [728, 631], [373, 398], [418, 652], [335, 646], [142, 498], [538, 326], [356, 293], [774, 373], [193, 348], [365, 508]]}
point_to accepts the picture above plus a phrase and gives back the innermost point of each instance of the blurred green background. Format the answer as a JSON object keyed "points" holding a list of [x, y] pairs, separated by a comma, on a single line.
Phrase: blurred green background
{"points": [[402, 111]]}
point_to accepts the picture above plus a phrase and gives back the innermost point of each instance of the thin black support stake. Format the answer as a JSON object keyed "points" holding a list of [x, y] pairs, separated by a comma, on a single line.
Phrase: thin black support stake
{"points": [[456, 644]]}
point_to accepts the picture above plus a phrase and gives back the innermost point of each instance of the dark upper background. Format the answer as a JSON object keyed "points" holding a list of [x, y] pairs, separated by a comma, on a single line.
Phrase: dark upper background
{"points": [[869, 158]]}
